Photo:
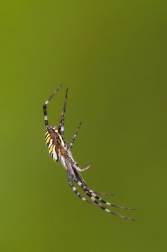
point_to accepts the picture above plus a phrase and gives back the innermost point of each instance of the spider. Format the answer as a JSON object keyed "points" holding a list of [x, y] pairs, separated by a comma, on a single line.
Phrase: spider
{"points": [[61, 151]]}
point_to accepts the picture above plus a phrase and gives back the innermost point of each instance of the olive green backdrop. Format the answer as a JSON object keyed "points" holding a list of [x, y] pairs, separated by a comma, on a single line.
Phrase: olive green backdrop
{"points": [[112, 55]]}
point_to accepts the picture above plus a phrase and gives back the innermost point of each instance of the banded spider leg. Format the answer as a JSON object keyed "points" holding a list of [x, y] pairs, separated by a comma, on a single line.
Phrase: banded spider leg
{"points": [[95, 199]]}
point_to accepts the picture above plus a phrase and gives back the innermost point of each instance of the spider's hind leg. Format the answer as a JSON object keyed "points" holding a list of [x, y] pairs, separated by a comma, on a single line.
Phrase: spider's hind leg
{"points": [[70, 180], [102, 193], [61, 125], [96, 200]]}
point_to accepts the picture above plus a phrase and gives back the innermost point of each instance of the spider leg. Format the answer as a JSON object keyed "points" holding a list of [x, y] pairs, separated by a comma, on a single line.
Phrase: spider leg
{"points": [[61, 125], [70, 180], [78, 175], [93, 195], [73, 138], [45, 106], [98, 204], [102, 193], [83, 169]]}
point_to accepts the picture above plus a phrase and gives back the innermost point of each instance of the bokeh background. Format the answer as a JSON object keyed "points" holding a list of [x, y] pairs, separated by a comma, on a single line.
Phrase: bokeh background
{"points": [[112, 55]]}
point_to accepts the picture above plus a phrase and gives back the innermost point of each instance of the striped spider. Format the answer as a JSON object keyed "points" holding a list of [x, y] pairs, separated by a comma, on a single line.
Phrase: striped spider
{"points": [[60, 151]]}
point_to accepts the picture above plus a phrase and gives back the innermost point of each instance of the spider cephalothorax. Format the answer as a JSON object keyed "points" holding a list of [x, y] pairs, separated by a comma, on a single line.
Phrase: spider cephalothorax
{"points": [[61, 151]]}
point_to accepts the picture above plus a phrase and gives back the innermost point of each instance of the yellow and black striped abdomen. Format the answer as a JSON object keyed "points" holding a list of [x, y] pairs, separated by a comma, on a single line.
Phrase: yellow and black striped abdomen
{"points": [[50, 145]]}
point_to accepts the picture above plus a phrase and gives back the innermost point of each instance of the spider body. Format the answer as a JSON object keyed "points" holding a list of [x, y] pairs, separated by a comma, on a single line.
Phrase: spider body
{"points": [[61, 151], [54, 142]]}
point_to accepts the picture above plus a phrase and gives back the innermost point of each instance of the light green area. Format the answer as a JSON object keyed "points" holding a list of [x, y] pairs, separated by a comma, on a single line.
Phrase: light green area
{"points": [[112, 57]]}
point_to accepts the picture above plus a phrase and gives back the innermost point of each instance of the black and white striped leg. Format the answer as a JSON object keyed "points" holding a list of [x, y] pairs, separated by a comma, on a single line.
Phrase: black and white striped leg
{"points": [[61, 125], [73, 138], [70, 180], [91, 193], [45, 105], [80, 178], [95, 199]]}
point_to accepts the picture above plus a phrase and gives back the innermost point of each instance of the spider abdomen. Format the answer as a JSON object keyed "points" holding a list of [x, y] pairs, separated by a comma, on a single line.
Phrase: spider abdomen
{"points": [[51, 145]]}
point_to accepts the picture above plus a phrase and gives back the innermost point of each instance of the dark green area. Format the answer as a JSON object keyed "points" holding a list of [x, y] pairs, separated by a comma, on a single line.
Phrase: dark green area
{"points": [[112, 55]]}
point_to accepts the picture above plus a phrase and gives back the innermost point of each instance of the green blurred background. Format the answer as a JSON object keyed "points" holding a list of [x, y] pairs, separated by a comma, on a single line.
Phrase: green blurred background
{"points": [[112, 55]]}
